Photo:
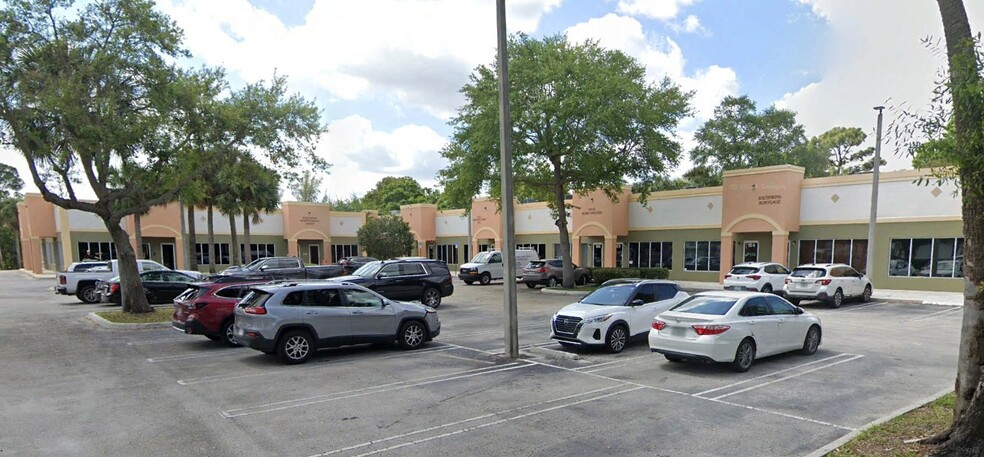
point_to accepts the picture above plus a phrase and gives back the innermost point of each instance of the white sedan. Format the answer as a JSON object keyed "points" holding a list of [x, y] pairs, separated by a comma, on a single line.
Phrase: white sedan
{"points": [[735, 327]]}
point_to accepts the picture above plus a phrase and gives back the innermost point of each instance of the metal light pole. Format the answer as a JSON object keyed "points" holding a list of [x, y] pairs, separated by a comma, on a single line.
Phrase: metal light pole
{"points": [[869, 265], [505, 142]]}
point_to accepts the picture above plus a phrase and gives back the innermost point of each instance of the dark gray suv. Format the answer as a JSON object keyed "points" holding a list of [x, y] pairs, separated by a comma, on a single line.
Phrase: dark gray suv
{"points": [[294, 320]]}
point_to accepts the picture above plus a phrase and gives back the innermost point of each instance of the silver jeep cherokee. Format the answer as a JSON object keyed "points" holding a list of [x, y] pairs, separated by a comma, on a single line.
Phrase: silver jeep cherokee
{"points": [[296, 319]]}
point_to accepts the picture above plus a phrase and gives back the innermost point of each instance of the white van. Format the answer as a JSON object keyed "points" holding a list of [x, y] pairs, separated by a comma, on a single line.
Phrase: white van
{"points": [[487, 266]]}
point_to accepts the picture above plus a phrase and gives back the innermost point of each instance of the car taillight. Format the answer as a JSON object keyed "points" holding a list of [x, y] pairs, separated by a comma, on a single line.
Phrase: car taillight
{"points": [[254, 310], [823, 282], [62, 280], [755, 277], [727, 276], [197, 304], [114, 288], [541, 270], [703, 329], [659, 325]]}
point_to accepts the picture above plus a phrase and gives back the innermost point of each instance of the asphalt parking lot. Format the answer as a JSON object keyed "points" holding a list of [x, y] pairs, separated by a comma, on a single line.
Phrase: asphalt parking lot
{"points": [[69, 387]]}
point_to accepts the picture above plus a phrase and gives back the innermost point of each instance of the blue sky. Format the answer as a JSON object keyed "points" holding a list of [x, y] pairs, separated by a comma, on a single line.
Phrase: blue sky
{"points": [[386, 73]]}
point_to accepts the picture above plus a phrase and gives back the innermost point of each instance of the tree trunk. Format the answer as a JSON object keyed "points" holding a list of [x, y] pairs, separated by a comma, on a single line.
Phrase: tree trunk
{"points": [[192, 242], [565, 237], [966, 437], [211, 241], [131, 289], [234, 249], [137, 231], [247, 249]]}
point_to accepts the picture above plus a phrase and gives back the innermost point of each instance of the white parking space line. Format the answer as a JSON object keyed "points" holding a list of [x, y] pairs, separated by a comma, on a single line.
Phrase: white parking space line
{"points": [[866, 305], [162, 341], [300, 402], [622, 363], [937, 314], [780, 414], [171, 358], [796, 367], [498, 330], [463, 421], [821, 367], [500, 421], [311, 366], [470, 359]]}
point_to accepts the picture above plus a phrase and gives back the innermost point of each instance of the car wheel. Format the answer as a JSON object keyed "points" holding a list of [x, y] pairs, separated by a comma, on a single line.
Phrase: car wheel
{"points": [[673, 359], [744, 356], [88, 295], [812, 341], [412, 335], [431, 297], [228, 334], [295, 347], [531, 285], [485, 279], [552, 282], [469, 282], [767, 288], [866, 295], [838, 299], [616, 339]]}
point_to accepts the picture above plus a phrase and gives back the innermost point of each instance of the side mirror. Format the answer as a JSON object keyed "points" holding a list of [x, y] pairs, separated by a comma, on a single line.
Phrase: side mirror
{"points": [[637, 302], [263, 268], [799, 310]]}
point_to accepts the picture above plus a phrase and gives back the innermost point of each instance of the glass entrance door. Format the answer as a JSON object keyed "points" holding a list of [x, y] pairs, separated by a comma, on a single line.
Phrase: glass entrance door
{"points": [[751, 251]]}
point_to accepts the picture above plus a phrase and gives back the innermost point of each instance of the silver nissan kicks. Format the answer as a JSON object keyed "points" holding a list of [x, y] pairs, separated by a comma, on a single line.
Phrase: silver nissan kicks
{"points": [[294, 320]]}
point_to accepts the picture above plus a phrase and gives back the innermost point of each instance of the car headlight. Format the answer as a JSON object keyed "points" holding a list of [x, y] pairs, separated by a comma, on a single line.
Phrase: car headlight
{"points": [[597, 319]]}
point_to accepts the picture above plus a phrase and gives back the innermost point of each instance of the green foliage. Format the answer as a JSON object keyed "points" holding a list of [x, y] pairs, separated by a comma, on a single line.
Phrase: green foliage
{"points": [[10, 182], [839, 142], [739, 137], [352, 203], [392, 192], [307, 187], [584, 118], [601, 275], [935, 152], [385, 237]]}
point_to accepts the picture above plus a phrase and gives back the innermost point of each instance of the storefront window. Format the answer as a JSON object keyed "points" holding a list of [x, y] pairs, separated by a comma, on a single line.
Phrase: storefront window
{"points": [[807, 250], [926, 257], [702, 256], [825, 251], [654, 254], [851, 252]]}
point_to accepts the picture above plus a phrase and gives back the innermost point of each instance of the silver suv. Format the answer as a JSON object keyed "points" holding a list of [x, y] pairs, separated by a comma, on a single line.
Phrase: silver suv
{"points": [[550, 272], [829, 282], [296, 319]]}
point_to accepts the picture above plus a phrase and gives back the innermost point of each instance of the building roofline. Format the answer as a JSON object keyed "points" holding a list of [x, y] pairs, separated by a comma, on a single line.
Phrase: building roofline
{"points": [[760, 170]]}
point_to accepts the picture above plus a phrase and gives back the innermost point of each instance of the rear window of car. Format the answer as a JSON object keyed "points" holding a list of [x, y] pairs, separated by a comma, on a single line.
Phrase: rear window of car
{"points": [[808, 273], [255, 297], [438, 268], [705, 304], [537, 264], [744, 270]]}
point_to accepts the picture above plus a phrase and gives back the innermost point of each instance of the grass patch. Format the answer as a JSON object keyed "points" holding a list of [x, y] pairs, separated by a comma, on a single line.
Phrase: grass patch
{"points": [[585, 289], [119, 317], [888, 439]]}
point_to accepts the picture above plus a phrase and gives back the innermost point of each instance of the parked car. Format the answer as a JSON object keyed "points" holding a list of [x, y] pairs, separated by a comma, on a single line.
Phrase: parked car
{"points": [[829, 282], [350, 264], [207, 308], [424, 279], [283, 268], [76, 267], [160, 286], [734, 327], [82, 284], [294, 320], [550, 272], [765, 277], [487, 266], [613, 314]]}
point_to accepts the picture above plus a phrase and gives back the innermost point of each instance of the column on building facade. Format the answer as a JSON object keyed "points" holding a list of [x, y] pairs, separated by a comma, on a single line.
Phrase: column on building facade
{"points": [[576, 250], [727, 255], [780, 248], [609, 260], [179, 252], [292, 248], [498, 244]]}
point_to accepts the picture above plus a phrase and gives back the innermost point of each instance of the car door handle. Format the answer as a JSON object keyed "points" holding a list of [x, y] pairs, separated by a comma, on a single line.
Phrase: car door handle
{"points": [[357, 312], [752, 322], [311, 312]]}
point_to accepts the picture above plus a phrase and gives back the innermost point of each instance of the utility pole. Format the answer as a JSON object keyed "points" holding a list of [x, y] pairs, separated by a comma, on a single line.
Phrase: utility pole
{"points": [[873, 218], [505, 142]]}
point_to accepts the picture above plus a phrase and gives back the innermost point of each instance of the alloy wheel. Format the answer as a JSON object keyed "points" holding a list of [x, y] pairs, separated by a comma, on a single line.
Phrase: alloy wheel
{"points": [[297, 347], [617, 339], [413, 336]]}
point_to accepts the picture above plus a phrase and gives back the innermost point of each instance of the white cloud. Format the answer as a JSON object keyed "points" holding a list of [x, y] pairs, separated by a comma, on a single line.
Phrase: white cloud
{"points": [[655, 9], [691, 24], [416, 51], [361, 156], [870, 63]]}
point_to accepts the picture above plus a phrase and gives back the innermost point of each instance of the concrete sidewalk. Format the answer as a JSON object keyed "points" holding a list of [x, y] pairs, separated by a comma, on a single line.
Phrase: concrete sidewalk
{"points": [[924, 297]]}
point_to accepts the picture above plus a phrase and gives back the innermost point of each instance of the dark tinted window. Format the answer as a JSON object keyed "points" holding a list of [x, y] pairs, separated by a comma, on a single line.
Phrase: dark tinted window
{"points": [[362, 298], [771, 269], [390, 270], [439, 268], [705, 304], [665, 291], [229, 292], [410, 269], [782, 270], [556, 263], [496, 258], [324, 297], [645, 293], [538, 264], [744, 270], [152, 276], [756, 307], [852, 273], [808, 273], [780, 306], [171, 276], [255, 297], [294, 299]]}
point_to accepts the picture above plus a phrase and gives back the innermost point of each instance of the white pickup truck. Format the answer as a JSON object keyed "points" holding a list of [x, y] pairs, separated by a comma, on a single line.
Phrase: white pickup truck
{"points": [[82, 284]]}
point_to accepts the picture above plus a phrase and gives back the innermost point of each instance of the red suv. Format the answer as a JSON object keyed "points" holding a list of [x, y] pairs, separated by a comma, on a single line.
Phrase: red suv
{"points": [[206, 308]]}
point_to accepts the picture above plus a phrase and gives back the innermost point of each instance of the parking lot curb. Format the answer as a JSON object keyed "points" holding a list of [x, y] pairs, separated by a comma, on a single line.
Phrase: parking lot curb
{"points": [[830, 447], [553, 353], [556, 291], [100, 321]]}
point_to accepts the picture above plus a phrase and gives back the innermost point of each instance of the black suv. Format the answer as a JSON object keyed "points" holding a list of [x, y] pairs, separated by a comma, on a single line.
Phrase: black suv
{"points": [[426, 280]]}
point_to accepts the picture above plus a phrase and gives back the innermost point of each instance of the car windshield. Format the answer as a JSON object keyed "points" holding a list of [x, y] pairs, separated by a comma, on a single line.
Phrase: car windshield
{"points": [[808, 273], [616, 295], [368, 270], [482, 257], [705, 304], [744, 270], [252, 266]]}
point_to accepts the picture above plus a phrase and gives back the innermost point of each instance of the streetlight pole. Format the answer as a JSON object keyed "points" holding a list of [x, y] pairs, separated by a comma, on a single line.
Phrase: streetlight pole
{"points": [[505, 142], [873, 217]]}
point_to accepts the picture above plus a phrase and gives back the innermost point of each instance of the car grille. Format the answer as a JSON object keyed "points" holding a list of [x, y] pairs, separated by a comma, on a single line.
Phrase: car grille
{"points": [[566, 324]]}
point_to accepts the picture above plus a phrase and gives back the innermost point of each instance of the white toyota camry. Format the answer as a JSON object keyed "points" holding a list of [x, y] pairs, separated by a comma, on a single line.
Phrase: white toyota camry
{"points": [[735, 327]]}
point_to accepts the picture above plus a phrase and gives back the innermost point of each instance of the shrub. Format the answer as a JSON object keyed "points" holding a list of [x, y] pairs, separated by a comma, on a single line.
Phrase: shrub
{"points": [[601, 275]]}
